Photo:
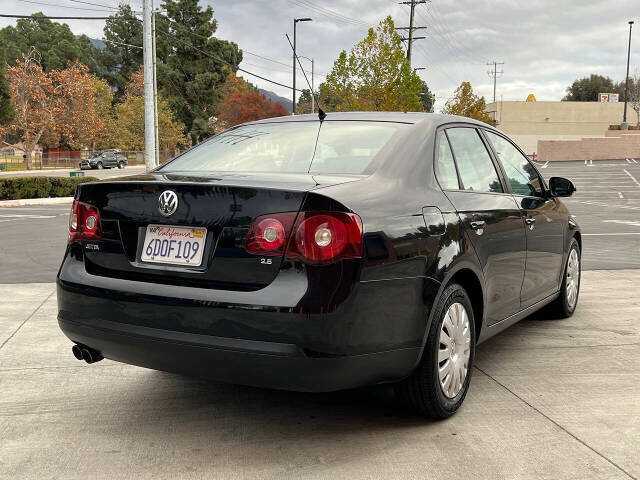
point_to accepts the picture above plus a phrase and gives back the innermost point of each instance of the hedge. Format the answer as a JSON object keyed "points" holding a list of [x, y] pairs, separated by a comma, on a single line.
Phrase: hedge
{"points": [[40, 187]]}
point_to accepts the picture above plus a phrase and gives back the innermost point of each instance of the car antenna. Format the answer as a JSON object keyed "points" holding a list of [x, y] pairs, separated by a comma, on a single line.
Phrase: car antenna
{"points": [[321, 114]]}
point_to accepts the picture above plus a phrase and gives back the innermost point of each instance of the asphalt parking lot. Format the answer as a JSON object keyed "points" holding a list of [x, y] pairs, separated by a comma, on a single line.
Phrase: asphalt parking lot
{"points": [[549, 399]]}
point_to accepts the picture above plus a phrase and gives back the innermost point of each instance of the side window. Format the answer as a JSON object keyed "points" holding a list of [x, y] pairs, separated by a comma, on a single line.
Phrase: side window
{"points": [[477, 171], [445, 166], [522, 176]]}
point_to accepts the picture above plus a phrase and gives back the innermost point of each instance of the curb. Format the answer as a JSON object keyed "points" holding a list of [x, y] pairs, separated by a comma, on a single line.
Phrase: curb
{"points": [[35, 201]]}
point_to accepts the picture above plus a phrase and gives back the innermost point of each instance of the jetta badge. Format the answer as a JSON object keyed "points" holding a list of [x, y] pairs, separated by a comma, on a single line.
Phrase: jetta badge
{"points": [[167, 203]]}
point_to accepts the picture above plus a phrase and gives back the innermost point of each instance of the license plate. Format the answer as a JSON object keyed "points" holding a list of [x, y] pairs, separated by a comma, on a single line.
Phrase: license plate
{"points": [[174, 245]]}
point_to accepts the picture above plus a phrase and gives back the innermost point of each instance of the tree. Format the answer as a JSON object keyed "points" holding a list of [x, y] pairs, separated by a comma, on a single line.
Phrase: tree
{"points": [[77, 124], [194, 65], [587, 89], [127, 132], [634, 94], [36, 104], [375, 75], [55, 108], [467, 104], [120, 57], [57, 44], [304, 102], [427, 97], [245, 107], [103, 105], [7, 111]]}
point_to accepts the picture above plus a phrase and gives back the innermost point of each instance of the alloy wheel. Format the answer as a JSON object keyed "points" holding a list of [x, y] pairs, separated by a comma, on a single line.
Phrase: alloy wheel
{"points": [[454, 351]]}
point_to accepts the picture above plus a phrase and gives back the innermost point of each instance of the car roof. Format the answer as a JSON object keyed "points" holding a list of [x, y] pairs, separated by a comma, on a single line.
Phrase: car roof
{"points": [[399, 117]]}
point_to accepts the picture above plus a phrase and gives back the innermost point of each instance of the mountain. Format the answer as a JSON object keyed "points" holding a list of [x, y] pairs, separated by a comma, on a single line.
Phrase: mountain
{"points": [[285, 102]]}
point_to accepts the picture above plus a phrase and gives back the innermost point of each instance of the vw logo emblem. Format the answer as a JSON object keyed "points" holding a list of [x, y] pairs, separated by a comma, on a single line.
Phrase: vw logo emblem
{"points": [[167, 203]]}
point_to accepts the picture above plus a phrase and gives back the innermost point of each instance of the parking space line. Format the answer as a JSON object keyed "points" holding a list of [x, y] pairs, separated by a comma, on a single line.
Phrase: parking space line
{"points": [[632, 177], [545, 165], [620, 195], [609, 234]]}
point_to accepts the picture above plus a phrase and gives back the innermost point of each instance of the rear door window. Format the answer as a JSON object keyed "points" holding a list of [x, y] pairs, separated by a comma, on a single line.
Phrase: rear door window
{"points": [[445, 165], [476, 168], [523, 178]]}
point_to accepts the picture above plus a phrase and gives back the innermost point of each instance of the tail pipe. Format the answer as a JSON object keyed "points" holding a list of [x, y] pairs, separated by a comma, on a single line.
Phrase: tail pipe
{"points": [[89, 355]]}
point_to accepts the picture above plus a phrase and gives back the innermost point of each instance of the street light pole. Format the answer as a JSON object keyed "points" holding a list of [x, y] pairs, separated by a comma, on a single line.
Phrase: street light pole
{"points": [[313, 106], [625, 125], [295, 22]]}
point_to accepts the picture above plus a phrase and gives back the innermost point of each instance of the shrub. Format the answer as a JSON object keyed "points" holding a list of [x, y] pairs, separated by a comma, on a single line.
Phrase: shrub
{"points": [[40, 187]]}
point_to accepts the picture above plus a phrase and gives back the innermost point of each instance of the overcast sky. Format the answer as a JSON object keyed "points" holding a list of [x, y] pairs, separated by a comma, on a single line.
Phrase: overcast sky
{"points": [[544, 44]]}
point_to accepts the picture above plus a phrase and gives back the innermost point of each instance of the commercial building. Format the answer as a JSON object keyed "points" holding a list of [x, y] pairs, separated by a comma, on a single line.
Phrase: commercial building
{"points": [[529, 122]]}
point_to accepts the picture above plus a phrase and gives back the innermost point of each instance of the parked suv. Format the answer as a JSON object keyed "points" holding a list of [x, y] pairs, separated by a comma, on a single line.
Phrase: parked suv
{"points": [[107, 159]]}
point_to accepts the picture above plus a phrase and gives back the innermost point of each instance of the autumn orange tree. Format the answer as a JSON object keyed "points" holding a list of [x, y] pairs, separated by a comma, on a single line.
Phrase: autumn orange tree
{"points": [[52, 107], [36, 105], [245, 107]]}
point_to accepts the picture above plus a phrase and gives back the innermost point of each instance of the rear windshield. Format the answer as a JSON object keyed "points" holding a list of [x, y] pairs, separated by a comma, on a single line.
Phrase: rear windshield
{"points": [[342, 147]]}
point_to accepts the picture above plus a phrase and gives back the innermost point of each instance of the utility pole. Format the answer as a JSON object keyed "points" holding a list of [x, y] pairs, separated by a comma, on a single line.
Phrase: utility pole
{"points": [[155, 89], [494, 74], [147, 53], [625, 125], [411, 28], [295, 22]]}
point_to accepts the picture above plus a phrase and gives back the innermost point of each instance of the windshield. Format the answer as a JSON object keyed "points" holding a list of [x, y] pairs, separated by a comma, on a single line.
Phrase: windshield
{"points": [[342, 147]]}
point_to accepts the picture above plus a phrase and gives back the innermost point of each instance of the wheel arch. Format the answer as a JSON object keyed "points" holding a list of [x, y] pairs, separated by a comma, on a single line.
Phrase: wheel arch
{"points": [[578, 236], [470, 281]]}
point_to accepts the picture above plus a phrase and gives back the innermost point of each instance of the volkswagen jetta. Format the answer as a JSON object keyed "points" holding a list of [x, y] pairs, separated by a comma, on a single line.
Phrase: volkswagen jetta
{"points": [[312, 255]]}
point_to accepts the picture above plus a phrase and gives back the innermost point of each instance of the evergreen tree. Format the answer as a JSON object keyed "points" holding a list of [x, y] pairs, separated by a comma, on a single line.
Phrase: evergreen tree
{"points": [[58, 47], [6, 106], [121, 58], [194, 64]]}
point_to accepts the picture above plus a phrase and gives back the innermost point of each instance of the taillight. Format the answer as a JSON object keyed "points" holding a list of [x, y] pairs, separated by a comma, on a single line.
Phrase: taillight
{"points": [[84, 222], [268, 234], [314, 237]]}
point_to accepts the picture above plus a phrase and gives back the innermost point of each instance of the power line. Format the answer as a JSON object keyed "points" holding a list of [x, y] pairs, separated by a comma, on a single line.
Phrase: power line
{"points": [[224, 61], [36, 17], [62, 6], [328, 13], [110, 7]]}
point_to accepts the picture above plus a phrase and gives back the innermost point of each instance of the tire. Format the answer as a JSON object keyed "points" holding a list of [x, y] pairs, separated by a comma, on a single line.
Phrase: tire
{"points": [[100, 166], [565, 304], [423, 391], [120, 165]]}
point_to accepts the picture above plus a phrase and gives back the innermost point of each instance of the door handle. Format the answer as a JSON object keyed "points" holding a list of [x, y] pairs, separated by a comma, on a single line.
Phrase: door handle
{"points": [[530, 221], [478, 226]]}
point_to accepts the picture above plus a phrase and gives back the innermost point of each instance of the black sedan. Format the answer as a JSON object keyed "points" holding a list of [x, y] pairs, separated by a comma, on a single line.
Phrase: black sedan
{"points": [[305, 255]]}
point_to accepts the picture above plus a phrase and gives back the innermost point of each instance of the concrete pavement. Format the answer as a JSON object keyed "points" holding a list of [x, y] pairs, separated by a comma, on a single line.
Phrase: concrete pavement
{"points": [[548, 400]]}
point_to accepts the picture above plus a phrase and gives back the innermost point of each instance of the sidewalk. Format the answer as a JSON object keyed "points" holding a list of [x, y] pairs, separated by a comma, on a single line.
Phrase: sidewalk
{"points": [[64, 172]]}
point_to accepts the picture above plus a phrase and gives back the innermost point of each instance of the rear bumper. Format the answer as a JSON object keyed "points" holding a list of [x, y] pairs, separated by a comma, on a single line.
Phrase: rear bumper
{"points": [[260, 364], [263, 338]]}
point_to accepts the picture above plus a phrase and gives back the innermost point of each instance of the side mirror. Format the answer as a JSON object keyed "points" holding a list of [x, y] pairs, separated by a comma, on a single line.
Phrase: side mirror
{"points": [[561, 187]]}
